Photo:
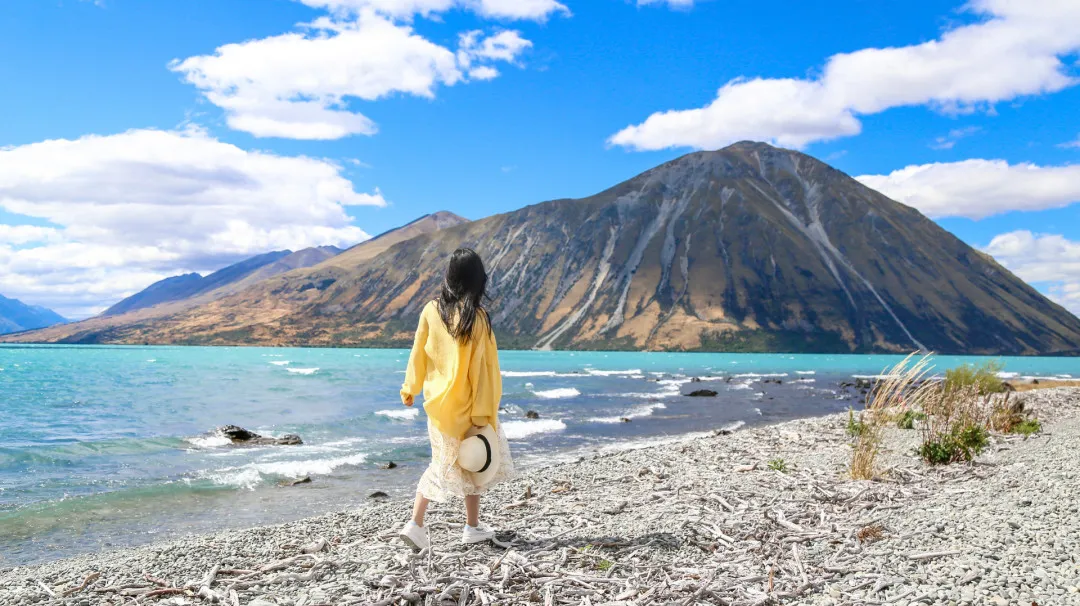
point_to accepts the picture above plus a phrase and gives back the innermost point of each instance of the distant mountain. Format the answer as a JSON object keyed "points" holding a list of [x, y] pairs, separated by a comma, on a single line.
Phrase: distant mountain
{"points": [[16, 316], [749, 248], [181, 293], [186, 286]]}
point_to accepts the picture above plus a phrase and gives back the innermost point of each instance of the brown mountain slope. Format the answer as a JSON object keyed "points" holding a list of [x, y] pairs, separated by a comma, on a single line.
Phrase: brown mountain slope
{"points": [[359, 254], [746, 248]]}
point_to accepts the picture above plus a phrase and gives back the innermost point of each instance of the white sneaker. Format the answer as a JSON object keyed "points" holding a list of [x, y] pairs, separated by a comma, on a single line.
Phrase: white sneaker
{"points": [[479, 534], [415, 535]]}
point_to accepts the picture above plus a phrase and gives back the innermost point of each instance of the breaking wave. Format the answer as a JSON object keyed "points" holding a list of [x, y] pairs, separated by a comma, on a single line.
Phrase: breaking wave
{"points": [[517, 430]]}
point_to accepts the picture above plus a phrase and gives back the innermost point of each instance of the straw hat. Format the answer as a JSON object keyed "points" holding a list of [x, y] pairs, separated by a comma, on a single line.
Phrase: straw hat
{"points": [[479, 454]]}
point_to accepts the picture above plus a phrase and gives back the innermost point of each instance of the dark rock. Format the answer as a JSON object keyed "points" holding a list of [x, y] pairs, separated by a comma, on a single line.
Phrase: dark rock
{"points": [[532, 414], [702, 393], [722, 432], [388, 465], [1034, 381], [624, 420], [378, 494], [863, 384], [239, 435], [303, 480], [727, 380], [696, 380]]}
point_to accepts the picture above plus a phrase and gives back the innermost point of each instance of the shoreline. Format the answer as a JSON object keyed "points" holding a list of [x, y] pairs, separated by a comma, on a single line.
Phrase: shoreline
{"points": [[694, 520]]}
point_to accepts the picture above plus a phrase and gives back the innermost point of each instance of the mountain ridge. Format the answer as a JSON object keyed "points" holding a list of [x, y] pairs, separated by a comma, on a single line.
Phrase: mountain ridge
{"points": [[16, 316], [258, 269], [748, 248]]}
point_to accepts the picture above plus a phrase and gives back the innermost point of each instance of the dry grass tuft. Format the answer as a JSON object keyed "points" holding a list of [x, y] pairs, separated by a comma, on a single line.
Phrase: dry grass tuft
{"points": [[903, 388], [871, 533]]}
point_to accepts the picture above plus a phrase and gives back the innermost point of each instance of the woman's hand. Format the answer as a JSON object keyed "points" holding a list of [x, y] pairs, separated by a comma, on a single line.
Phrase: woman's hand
{"points": [[407, 400]]}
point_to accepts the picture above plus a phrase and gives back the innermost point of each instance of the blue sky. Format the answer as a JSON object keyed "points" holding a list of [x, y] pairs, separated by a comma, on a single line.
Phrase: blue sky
{"points": [[146, 139]]}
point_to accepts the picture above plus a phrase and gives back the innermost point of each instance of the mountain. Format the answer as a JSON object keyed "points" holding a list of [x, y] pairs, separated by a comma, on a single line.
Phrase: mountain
{"points": [[174, 295], [17, 316], [749, 248], [186, 286]]}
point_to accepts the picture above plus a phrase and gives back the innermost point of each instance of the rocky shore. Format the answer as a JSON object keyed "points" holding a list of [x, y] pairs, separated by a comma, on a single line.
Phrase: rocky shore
{"points": [[760, 516]]}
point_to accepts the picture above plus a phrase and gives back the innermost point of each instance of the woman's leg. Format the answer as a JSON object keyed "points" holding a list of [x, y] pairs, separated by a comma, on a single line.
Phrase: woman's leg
{"points": [[472, 510], [419, 509]]}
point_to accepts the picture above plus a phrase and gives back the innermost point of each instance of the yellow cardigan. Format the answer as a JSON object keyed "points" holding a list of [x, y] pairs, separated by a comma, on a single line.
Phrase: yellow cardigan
{"points": [[461, 383]]}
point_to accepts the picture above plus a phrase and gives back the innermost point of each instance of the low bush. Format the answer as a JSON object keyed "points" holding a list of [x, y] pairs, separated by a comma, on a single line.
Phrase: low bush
{"points": [[1027, 427], [962, 444], [855, 427], [983, 378], [907, 419], [778, 465]]}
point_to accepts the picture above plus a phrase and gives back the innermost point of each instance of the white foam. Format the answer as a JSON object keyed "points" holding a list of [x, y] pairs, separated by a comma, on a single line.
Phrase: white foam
{"points": [[214, 441], [406, 414], [612, 373], [303, 371], [733, 426], [740, 386], [280, 362], [241, 478], [1008, 375], [541, 373], [805, 381], [642, 394], [877, 377], [636, 412], [251, 475], [806, 372], [559, 393], [517, 430], [152, 360], [762, 376]]}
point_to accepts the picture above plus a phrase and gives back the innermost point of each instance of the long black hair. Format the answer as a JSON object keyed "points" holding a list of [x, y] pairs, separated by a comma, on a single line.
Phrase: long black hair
{"points": [[463, 292]]}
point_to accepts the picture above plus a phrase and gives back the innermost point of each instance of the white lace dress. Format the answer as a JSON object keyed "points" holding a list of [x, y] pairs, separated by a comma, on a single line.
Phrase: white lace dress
{"points": [[444, 479]]}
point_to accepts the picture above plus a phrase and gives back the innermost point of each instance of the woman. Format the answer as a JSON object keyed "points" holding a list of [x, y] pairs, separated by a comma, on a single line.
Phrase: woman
{"points": [[455, 362]]}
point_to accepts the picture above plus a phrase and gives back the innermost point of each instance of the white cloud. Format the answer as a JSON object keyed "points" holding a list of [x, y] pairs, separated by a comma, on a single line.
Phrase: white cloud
{"points": [[1073, 143], [535, 10], [949, 141], [298, 85], [1016, 50], [126, 210], [680, 4], [979, 188], [1047, 258]]}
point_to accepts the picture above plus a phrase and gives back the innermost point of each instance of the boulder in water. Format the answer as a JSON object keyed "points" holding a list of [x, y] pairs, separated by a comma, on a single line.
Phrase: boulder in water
{"points": [[532, 414], [239, 435], [702, 393]]}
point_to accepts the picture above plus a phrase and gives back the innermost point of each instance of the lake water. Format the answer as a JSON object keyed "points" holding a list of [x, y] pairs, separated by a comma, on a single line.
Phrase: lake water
{"points": [[107, 446]]}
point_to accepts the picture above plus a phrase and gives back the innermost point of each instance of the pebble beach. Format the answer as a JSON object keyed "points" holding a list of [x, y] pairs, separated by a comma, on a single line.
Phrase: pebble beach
{"points": [[757, 516]]}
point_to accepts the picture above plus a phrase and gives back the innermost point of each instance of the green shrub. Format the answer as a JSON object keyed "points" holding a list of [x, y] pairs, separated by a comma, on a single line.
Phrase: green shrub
{"points": [[960, 445], [778, 465], [855, 427], [907, 419], [984, 378], [1027, 427], [973, 439]]}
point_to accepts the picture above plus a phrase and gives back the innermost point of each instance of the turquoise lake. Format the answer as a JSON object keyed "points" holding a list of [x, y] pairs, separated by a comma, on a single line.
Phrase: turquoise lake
{"points": [[110, 446]]}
